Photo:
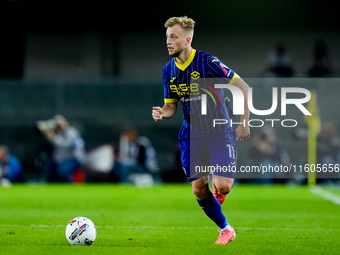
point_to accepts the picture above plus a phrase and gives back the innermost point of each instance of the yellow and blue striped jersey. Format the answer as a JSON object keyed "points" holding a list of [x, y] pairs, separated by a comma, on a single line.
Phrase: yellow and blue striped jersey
{"points": [[187, 82]]}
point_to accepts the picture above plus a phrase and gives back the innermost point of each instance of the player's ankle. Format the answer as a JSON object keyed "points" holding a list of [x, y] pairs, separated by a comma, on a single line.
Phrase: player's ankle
{"points": [[226, 227]]}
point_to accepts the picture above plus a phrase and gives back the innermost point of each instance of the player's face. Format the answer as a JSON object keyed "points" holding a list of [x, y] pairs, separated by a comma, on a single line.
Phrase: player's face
{"points": [[175, 40]]}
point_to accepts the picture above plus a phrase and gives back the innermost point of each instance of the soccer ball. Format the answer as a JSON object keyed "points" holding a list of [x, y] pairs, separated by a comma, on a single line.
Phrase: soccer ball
{"points": [[81, 231]]}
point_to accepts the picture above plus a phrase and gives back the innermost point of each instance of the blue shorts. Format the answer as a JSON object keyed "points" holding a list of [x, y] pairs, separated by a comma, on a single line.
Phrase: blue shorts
{"points": [[202, 156]]}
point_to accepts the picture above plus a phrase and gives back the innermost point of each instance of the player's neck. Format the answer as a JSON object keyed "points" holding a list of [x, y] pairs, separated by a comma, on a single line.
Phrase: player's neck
{"points": [[183, 57]]}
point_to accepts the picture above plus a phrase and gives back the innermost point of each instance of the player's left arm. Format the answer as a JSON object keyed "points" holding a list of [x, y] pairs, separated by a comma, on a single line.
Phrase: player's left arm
{"points": [[243, 131]]}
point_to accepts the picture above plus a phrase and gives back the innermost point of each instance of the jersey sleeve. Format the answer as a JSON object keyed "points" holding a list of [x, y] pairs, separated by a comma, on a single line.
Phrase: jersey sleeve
{"points": [[219, 70], [169, 95]]}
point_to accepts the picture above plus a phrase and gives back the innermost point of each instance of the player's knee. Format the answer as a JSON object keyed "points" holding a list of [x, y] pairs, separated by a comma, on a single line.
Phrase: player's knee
{"points": [[225, 189], [199, 192]]}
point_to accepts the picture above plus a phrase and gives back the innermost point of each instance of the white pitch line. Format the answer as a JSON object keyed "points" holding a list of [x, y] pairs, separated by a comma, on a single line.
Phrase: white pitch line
{"points": [[325, 194], [162, 228]]}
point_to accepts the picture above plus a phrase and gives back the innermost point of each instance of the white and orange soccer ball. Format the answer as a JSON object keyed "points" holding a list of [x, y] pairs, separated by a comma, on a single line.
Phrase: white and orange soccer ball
{"points": [[81, 231]]}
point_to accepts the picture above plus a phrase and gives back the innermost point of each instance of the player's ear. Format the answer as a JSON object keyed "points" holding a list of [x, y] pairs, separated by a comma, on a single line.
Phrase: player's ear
{"points": [[189, 39]]}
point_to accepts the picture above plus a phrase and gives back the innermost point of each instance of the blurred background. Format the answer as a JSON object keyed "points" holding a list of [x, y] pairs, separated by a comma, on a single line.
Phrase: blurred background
{"points": [[98, 64]]}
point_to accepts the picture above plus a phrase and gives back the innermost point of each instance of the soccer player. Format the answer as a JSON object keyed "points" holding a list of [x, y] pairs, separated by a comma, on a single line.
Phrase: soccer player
{"points": [[202, 144]]}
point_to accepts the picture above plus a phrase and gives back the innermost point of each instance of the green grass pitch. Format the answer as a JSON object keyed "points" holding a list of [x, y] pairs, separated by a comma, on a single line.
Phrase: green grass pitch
{"points": [[166, 219]]}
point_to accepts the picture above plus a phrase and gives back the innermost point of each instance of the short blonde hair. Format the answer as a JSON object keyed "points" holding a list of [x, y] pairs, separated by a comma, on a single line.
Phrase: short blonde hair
{"points": [[187, 24]]}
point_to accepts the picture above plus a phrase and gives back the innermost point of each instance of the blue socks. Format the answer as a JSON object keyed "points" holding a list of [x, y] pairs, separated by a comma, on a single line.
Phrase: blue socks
{"points": [[213, 210]]}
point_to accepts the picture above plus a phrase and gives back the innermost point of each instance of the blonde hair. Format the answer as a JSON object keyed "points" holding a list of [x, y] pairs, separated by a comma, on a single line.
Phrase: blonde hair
{"points": [[187, 24]]}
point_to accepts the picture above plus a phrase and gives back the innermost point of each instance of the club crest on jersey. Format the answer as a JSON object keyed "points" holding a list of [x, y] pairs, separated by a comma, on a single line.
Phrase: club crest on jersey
{"points": [[195, 75]]}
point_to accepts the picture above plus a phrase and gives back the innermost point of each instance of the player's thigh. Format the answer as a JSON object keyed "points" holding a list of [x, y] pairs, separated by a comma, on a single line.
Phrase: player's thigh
{"points": [[195, 158], [223, 156]]}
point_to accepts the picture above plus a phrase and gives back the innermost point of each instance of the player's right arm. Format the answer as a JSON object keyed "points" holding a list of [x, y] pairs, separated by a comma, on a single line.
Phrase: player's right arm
{"points": [[167, 111]]}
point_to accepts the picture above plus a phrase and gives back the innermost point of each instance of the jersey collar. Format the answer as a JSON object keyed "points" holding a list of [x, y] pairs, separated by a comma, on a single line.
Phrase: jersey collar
{"points": [[186, 63]]}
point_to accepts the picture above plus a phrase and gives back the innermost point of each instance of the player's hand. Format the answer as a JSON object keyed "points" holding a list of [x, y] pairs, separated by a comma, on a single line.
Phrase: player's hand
{"points": [[157, 113], [242, 133], [49, 134]]}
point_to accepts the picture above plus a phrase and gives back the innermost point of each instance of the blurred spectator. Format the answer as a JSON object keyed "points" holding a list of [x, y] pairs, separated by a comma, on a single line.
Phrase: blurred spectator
{"points": [[279, 62], [10, 167], [268, 151], [136, 155], [321, 63], [68, 150]]}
